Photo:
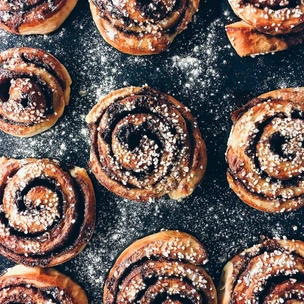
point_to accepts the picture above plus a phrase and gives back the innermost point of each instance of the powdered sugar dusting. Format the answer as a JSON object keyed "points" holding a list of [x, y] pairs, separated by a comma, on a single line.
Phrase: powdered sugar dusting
{"points": [[200, 65]]}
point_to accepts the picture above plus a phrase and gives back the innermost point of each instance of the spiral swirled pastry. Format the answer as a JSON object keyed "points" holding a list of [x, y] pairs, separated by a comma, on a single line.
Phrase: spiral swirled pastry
{"points": [[142, 27], [265, 151], [145, 144], [270, 272], [161, 268], [266, 26], [47, 214], [27, 17], [34, 90], [22, 284]]}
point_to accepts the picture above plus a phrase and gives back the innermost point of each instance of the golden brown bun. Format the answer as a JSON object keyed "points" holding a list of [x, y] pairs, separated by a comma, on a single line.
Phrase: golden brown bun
{"points": [[36, 285], [136, 28], [270, 272], [247, 41], [48, 214], [164, 264], [275, 21], [265, 153], [266, 26], [145, 144], [42, 17], [34, 90]]}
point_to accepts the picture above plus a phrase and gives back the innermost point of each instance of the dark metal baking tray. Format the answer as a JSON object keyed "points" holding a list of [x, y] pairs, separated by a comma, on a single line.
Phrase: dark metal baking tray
{"points": [[201, 70]]}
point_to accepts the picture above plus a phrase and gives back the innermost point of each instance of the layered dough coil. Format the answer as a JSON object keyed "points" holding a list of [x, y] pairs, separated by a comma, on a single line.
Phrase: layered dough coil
{"points": [[266, 26], [26, 17], [145, 144], [161, 268], [270, 272], [265, 151], [142, 27], [22, 284], [34, 90], [47, 214]]}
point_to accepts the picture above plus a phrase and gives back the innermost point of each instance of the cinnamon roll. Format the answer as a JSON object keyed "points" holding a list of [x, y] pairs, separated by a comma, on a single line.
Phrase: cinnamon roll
{"points": [[142, 27], [145, 144], [34, 90], [265, 151], [47, 214], [161, 268], [266, 26], [25, 17], [22, 284], [270, 272]]}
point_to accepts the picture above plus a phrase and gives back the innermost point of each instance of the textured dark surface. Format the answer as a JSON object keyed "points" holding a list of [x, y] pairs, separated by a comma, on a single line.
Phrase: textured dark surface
{"points": [[202, 71]]}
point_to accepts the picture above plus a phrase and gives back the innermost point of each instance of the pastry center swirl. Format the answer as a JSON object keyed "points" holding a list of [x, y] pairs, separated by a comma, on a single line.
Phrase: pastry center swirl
{"points": [[23, 100], [280, 149], [143, 145], [31, 203], [37, 205], [138, 144], [39, 202]]}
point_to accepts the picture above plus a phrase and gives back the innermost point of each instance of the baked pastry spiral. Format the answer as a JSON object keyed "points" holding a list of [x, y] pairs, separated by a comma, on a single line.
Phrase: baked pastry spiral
{"points": [[22, 284], [265, 151], [145, 144], [161, 268], [27, 17], [266, 26], [142, 27], [47, 214], [34, 90], [270, 272]]}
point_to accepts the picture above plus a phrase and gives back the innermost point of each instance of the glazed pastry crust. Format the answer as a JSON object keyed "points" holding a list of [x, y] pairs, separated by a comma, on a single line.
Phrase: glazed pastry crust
{"points": [[140, 38], [177, 253], [75, 222], [263, 262], [41, 19], [256, 191], [198, 158], [24, 80], [43, 279]]}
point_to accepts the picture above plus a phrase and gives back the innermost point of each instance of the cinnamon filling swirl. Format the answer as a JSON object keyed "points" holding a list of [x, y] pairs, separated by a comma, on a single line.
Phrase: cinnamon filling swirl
{"points": [[142, 27], [47, 214], [265, 152], [270, 272], [34, 90], [24, 285], [145, 144], [24, 100], [161, 268]]}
